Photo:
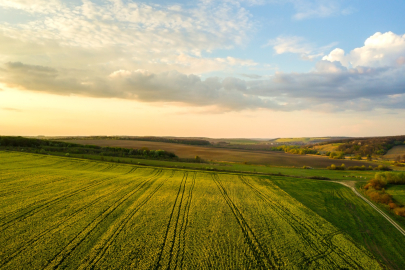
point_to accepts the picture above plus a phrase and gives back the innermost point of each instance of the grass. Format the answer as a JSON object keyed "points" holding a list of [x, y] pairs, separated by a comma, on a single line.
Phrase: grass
{"points": [[58, 213], [341, 207], [397, 192]]}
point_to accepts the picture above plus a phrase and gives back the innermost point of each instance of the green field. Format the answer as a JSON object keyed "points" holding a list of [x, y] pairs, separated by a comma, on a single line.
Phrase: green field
{"points": [[67, 213], [397, 192], [304, 139]]}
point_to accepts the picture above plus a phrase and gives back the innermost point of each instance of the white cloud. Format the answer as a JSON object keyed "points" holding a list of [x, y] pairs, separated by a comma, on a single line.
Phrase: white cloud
{"points": [[137, 32], [297, 45], [330, 87], [379, 50], [33, 6], [318, 9]]}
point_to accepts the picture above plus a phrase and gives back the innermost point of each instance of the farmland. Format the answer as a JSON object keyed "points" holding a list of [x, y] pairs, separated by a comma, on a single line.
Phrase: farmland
{"points": [[275, 158], [70, 213], [305, 140], [397, 192], [394, 152]]}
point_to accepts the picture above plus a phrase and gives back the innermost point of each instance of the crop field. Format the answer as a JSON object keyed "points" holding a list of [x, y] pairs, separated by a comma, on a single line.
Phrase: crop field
{"points": [[274, 158], [394, 152], [65, 213], [398, 192], [331, 147]]}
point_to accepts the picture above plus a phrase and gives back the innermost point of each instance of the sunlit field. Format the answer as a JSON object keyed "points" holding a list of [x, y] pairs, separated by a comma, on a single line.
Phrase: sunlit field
{"points": [[77, 214]]}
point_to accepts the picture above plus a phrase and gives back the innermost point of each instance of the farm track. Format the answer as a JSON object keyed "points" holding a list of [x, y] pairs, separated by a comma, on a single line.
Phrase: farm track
{"points": [[261, 256], [105, 244], [304, 230], [58, 259], [390, 220]]}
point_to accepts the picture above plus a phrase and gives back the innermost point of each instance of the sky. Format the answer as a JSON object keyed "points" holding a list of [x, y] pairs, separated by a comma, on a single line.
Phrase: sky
{"points": [[208, 68]]}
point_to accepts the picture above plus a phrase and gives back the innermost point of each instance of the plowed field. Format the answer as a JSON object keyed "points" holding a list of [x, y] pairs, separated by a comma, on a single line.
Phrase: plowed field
{"points": [[275, 158]]}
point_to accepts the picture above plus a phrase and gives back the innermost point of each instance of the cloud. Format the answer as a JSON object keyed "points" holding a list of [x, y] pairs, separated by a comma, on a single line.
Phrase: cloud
{"points": [[33, 6], [11, 109], [379, 50], [297, 45], [329, 87], [251, 76], [131, 35], [148, 27], [319, 9]]}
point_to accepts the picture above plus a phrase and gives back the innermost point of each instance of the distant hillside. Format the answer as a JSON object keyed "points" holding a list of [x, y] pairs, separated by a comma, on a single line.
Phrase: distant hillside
{"points": [[180, 140], [305, 140], [367, 145]]}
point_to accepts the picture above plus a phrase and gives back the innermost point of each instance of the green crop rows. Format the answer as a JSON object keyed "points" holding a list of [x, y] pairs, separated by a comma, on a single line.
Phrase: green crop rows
{"points": [[65, 213]]}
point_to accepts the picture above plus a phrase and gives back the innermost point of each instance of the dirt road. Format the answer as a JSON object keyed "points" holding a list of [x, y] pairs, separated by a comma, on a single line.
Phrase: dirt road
{"points": [[351, 185]]}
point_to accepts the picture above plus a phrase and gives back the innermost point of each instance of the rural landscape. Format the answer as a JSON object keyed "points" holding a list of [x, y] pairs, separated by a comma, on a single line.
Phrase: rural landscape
{"points": [[114, 203], [206, 134]]}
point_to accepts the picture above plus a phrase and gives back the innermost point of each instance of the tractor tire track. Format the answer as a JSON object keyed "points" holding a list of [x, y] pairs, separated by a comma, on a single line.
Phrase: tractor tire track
{"points": [[305, 231], [183, 228], [255, 246], [14, 190], [287, 216], [131, 170], [58, 259], [107, 243], [176, 225], [35, 239], [48, 203], [158, 262]]}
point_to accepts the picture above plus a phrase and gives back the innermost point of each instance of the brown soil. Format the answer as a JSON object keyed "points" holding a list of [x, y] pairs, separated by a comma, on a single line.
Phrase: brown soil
{"points": [[229, 155]]}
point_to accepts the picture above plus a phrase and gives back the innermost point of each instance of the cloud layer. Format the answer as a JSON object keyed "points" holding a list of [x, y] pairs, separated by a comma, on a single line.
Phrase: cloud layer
{"points": [[331, 86], [156, 53]]}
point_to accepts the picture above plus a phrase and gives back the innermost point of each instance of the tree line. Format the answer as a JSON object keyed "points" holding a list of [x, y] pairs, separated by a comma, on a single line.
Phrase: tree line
{"points": [[50, 146]]}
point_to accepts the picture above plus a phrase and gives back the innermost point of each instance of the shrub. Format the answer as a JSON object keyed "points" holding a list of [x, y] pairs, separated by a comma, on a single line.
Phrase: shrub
{"points": [[382, 168], [359, 168], [400, 211], [391, 178], [376, 184], [392, 205], [334, 167], [319, 178], [379, 197]]}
